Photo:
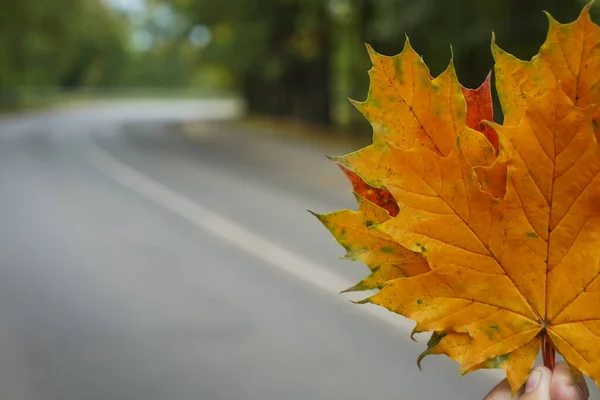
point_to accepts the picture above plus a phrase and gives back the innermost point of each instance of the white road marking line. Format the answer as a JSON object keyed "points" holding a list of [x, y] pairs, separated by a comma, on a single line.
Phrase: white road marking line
{"points": [[238, 236]]}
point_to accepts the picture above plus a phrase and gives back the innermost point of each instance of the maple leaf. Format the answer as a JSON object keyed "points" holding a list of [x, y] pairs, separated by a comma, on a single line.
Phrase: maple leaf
{"points": [[405, 105], [569, 58], [501, 222], [387, 259]]}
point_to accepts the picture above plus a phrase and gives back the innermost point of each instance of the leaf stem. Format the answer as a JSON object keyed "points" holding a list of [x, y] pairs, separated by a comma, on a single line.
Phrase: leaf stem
{"points": [[548, 353]]}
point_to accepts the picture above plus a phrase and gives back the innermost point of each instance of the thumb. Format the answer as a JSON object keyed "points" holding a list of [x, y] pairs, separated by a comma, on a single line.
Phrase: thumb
{"points": [[537, 386]]}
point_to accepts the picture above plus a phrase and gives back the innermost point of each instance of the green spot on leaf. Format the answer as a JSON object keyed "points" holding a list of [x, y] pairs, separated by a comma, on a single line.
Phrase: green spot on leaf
{"points": [[375, 103], [497, 362], [387, 249], [397, 62], [421, 248], [435, 339], [531, 235], [492, 331]]}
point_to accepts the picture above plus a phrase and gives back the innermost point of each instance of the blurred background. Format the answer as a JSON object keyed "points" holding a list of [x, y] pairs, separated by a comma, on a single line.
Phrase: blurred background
{"points": [[292, 58], [156, 161]]}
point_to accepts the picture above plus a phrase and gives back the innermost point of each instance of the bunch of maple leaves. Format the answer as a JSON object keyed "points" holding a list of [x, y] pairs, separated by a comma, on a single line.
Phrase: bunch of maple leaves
{"points": [[487, 235]]}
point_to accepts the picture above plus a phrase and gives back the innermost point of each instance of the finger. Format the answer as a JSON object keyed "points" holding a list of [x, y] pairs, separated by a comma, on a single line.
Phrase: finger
{"points": [[566, 385], [537, 386], [501, 391]]}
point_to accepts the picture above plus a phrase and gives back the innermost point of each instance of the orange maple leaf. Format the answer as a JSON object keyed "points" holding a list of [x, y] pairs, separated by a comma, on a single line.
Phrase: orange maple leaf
{"points": [[503, 227]]}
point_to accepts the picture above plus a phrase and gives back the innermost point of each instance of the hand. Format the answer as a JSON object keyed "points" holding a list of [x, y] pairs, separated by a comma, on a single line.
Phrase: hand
{"points": [[544, 384]]}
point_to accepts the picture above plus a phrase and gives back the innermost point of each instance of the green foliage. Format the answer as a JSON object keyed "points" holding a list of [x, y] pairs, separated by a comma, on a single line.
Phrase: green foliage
{"points": [[50, 43]]}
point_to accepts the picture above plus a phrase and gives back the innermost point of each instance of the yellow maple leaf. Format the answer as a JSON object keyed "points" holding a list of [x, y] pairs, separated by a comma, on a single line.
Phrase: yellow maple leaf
{"points": [[511, 235]]}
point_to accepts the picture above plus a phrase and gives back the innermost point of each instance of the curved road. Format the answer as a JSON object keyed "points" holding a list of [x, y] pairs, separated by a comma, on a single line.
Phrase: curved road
{"points": [[139, 264]]}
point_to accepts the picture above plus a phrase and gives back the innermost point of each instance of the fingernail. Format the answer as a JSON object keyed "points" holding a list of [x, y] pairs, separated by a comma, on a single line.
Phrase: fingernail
{"points": [[532, 381], [575, 392]]}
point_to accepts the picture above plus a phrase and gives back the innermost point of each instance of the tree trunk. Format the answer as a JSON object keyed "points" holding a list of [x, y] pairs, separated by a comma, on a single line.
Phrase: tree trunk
{"points": [[302, 90]]}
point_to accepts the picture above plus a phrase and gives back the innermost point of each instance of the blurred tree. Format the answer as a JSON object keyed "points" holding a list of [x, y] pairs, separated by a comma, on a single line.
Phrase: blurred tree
{"points": [[162, 54], [100, 51], [278, 52], [50, 43], [350, 61]]}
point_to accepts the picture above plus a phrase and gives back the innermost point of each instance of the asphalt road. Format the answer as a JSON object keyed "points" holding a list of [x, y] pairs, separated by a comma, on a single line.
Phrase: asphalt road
{"points": [[136, 263]]}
